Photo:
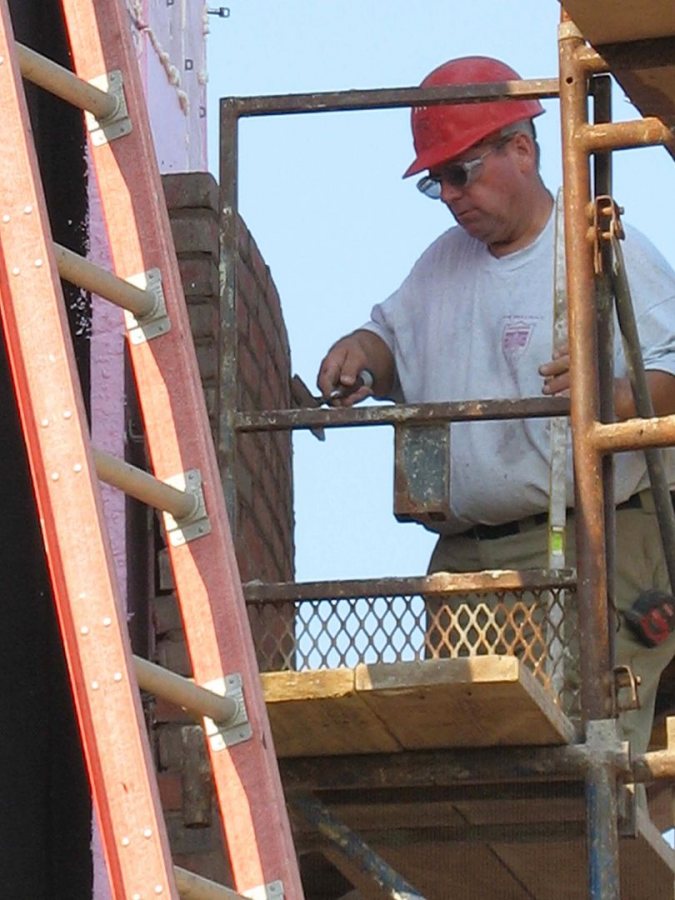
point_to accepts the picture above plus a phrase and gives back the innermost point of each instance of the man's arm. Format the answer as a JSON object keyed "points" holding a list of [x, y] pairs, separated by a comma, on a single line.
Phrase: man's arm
{"points": [[350, 356], [661, 387]]}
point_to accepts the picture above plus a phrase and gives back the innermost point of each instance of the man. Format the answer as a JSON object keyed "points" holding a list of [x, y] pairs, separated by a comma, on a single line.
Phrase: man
{"points": [[473, 320]]}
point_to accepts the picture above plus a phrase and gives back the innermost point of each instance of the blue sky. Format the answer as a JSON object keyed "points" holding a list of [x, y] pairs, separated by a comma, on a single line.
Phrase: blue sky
{"points": [[339, 228]]}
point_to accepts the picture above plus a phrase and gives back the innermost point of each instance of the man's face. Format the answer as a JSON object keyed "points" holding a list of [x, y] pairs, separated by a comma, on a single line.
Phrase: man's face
{"points": [[491, 204]]}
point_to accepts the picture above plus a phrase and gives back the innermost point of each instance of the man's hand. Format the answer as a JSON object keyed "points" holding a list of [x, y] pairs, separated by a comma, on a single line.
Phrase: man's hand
{"points": [[557, 373], [339, 376], [661, 386]]}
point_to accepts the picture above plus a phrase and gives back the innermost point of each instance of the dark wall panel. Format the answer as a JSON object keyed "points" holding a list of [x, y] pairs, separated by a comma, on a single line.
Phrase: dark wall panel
{"points": [[46, 814]]}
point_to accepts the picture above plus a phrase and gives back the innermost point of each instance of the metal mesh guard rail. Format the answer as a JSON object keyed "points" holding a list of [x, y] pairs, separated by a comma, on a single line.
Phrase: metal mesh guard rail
{"points": [[325, 625]]}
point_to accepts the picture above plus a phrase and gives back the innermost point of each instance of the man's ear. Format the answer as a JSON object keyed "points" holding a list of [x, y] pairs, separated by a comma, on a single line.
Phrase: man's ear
{"points": [[525, 151]]}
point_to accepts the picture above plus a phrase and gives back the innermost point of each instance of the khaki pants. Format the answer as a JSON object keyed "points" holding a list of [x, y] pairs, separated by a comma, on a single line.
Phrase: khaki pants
{"points": [[639, 565]]}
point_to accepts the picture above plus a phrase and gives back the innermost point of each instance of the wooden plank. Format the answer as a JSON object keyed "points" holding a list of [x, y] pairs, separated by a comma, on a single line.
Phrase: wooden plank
{"points": [[472, 702], [607, 22], [647, 867], [531, 870], [319, 713], [441, 870], [483, 701]]}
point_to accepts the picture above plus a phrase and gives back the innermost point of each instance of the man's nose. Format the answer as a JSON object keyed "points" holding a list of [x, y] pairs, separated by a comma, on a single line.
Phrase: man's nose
{"points": [[449, 192]]}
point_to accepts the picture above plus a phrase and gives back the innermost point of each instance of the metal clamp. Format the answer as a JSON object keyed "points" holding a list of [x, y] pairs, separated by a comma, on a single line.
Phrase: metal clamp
{"points": [[156, 322], [195, 525], [624, 679], [606, 226], [604, 745], [118, 123], [238, 728]]}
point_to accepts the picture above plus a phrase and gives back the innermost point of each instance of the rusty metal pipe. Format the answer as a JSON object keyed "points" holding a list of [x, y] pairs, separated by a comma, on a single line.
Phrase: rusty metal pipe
{"points": [[350, 844], [388, 98], [656, 465], [592, 586], [592, 580], [646, 132], [601, 89], [438, 584], [633, 434], [655, 766], [602, 835], [411, 413]]}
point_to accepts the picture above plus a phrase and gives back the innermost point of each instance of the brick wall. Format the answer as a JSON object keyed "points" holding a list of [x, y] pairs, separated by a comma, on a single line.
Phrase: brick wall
{"points": [[261, 493], [264, 482]]}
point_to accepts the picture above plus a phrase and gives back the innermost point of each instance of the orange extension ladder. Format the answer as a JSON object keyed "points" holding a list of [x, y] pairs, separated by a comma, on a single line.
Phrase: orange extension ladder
{"points": [[185, 484]]}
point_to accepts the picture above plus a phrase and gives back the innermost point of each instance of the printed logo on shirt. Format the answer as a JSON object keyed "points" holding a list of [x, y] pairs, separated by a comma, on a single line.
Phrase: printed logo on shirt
{"points": [[516, 335]]}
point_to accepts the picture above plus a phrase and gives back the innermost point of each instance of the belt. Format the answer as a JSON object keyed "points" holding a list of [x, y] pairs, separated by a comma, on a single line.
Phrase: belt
{"points": [[493, 532]]}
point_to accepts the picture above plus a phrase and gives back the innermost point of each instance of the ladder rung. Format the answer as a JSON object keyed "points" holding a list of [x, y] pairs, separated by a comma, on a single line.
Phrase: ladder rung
{"points": [[194, 887], [85, 274], [145, 487], [65, 84], [185, 693]]}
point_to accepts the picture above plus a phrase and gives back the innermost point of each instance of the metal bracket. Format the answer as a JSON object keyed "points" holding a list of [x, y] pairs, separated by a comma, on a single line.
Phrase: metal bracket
{"points": [[272, 891], [605, 748], [604, 745], [606, 226], [156, 322], [627, 804], [196, 525], [237, 729], [624, 679], [118, 123]]}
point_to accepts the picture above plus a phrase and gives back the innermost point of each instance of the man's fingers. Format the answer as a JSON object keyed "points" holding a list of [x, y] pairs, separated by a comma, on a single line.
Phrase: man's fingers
{"points": [[349, 398], [341, 368], [555, 366]]}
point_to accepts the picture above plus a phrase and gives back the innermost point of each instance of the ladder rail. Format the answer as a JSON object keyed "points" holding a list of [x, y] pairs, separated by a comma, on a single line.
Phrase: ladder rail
{"points": [[87, 601], [178, 438]]}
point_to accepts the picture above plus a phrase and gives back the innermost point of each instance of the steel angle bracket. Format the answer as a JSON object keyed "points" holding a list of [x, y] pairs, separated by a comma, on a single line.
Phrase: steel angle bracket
{"points": [[156, 322], [272, 891], [195, 525], [118, 123], [236, 730]]}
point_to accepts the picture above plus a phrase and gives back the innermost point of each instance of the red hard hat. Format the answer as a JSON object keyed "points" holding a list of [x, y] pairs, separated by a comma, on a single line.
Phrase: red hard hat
{"points": [[441, 132]]}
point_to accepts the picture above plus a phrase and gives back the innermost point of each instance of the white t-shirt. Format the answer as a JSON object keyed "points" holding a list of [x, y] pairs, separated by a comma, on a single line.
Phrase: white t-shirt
{"points": [[465, 325]]}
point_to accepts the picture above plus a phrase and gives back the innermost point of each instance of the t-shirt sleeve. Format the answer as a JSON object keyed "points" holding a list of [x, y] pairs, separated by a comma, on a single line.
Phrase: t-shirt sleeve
{"points": [[397, 319], [381, 323]]}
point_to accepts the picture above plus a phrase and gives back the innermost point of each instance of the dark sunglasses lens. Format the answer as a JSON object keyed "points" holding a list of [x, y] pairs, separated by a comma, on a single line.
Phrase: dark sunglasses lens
{"points": [[429, 187], [457, 176]]}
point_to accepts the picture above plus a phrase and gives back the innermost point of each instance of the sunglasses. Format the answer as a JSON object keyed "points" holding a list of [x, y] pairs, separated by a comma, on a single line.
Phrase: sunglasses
{"points": [[457, 175]]}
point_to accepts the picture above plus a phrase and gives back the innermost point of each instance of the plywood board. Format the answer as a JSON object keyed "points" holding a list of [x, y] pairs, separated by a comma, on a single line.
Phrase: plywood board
{"points": [[612, 27], [608, 22], [532, 869], [484, 701], [558, 871]]}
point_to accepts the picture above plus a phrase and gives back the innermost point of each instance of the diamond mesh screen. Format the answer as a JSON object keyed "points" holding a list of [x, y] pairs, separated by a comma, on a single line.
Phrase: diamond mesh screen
{"points": [[538, 625]]}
